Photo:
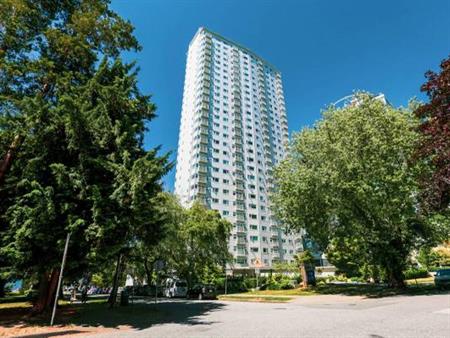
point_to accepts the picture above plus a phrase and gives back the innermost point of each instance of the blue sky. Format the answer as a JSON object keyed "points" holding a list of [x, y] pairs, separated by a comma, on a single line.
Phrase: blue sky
{"points": [[325, 49]]}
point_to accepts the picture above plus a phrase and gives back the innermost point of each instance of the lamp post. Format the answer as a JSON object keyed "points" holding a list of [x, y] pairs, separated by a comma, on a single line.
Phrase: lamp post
{"points": [[60, 278], [228, 272]]}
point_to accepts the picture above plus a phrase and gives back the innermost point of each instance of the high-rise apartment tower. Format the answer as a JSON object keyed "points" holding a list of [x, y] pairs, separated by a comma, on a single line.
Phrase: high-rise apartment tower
{"points": [[233, 131]]}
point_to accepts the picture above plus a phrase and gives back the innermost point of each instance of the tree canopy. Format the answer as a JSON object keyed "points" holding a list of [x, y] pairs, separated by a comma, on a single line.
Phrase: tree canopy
{"points": [[74, 118], [435, 143], [195, 242], [349, 179]]}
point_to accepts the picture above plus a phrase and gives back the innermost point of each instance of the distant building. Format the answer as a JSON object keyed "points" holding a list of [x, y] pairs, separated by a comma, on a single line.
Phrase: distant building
{"points": [[233, 132], [353, 100]]}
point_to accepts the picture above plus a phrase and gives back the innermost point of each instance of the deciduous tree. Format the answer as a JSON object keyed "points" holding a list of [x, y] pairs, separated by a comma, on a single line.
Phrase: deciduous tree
{"points": [[198, 243], [349, 178], [435, 144]]}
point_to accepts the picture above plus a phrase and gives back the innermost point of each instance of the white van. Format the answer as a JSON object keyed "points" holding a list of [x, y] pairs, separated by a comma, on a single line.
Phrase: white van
{"points": [[175, 288]]}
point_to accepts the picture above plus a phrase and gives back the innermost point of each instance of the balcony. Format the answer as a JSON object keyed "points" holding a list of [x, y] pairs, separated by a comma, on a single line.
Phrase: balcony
{"points": [[201, 190], [242, 241], [241, 230], [202, 179], [203, 139], [240, 197], [240, 207], [206, 84], [204, 114], [240, 217], [203, 159]]}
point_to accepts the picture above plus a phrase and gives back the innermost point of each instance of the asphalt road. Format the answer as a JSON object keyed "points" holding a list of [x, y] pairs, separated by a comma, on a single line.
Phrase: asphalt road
{"points": [[314, 316]]}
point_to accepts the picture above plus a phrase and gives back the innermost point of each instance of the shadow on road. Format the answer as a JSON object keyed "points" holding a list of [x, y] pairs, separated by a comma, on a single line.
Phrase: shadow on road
{"points": [[144, 315], [140, 315], [51, 334]]}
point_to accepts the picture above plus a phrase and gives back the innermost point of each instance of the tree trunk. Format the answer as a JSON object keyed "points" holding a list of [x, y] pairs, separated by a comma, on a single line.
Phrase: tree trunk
{"points": [[2, 287], [113, 294], [393, 265], [5, 165], [53, 284], [304, 276], [47, 290], [148, 272], [306, 279], [39, 303], [396, 279]]}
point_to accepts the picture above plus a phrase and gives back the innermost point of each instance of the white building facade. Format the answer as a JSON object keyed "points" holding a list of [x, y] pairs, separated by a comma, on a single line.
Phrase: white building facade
{"points": [[233, 131]]}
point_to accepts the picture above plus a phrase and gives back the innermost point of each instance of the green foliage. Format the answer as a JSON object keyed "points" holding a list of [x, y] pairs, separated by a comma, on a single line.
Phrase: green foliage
{"points": [[346, 255], [416, 273], [280, 267], [279, 281], [81, 166], [431, 258], [195, 243], [428, 258], [304, 257], [350, 179]]}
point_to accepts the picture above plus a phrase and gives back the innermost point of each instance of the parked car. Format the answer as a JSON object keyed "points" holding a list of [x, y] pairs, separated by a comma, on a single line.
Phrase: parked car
{"points": [[202, 291], [442, 278], [176, 288]]}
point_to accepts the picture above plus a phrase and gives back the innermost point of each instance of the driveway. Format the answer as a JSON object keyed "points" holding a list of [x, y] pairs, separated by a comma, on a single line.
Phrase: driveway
{"points": [[313, 316]]}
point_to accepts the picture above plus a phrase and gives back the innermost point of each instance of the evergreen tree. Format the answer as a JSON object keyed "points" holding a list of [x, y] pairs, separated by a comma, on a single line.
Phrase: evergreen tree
{"points": [[72, 124]]}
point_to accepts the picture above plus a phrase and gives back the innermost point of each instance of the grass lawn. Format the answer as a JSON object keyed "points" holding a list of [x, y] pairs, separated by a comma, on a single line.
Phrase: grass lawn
{"points": [[248, 297], [291, 292], [14, 297], [423, 286], [13, 305], [427, 280]]}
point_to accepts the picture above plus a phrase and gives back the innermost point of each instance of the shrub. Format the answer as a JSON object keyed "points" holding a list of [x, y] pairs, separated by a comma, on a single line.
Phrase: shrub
{"points": [[286, 285], [416, 273], [274, 286]]}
